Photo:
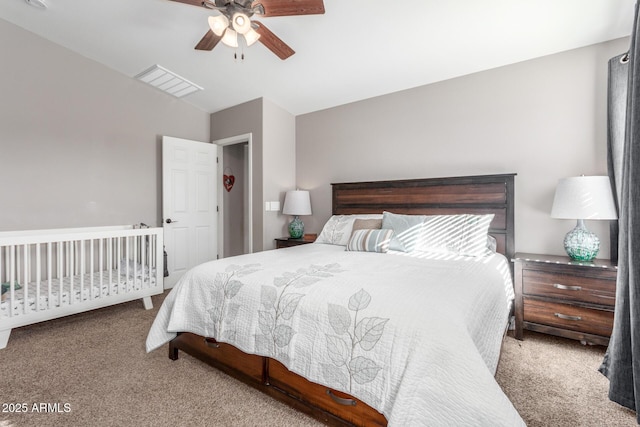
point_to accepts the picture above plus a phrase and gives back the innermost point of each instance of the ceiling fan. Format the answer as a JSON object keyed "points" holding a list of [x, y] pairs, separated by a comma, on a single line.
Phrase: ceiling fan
{"points": [[235, 18]]}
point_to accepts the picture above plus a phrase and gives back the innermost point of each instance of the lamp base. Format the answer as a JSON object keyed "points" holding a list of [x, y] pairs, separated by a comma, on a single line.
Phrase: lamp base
{"points": [[296, 228], [581, 244]]}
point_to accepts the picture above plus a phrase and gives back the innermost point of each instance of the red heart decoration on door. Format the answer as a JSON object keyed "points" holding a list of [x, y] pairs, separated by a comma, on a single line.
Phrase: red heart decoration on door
{"points": [[228, 181]]}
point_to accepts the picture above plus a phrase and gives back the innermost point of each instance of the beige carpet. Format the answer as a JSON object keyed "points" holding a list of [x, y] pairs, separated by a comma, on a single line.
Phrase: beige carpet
{"points": [[96, 364]]}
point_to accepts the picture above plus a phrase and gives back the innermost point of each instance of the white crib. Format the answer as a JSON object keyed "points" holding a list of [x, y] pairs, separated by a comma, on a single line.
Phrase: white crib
{"points": [[46, 274]]}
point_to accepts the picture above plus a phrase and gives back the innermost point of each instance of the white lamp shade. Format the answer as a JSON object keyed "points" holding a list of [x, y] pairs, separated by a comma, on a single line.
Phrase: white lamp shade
{"points": [[251, 36], [241, 23], [230, 38], [218, 24], [297, 202], [584, 197]]}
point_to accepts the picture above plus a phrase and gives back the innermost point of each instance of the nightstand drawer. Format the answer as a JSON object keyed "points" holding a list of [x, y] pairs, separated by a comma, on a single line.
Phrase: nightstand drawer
{"points": [[571, 287], [582, 319]]}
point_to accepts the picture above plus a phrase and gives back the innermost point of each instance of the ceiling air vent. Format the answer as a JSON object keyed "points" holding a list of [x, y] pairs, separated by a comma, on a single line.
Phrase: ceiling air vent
{"points": [[167, 81]]}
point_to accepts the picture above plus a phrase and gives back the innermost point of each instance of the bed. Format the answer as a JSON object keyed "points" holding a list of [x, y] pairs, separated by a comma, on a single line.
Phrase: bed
{"points": [[367, 326], [46, 274]]}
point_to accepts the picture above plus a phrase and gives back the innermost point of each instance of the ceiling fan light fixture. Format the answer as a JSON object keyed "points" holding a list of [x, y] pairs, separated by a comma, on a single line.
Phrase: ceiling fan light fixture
{"points": [[230, 38], [251, 36], [241, 22], [218, 24]]}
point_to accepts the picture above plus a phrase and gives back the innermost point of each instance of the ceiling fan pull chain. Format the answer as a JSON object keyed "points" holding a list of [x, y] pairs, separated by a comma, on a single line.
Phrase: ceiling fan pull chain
{"points": [[235, 55]]}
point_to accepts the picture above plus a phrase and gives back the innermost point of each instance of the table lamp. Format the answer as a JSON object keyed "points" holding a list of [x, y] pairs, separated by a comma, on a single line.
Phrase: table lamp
{"points": [[296, 202], [581, 198]]}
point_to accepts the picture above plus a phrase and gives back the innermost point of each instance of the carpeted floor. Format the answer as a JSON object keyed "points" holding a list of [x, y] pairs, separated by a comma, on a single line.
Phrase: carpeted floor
{"points": [[91, 369], [555, 382]]}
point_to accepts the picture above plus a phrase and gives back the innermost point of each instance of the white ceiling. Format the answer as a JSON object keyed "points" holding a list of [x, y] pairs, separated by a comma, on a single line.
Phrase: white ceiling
{"points": [[358, 49]]}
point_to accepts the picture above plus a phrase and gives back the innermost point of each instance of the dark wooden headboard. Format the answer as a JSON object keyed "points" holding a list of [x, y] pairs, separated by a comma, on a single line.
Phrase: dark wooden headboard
{"points": [[482, 194]]}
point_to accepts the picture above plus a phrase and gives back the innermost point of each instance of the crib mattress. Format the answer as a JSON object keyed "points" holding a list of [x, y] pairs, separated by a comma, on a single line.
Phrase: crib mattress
{"points": [[72, 290]]}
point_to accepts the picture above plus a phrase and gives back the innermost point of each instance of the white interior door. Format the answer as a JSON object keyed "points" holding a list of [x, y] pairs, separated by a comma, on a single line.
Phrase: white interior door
{"points": [[189, 204]]}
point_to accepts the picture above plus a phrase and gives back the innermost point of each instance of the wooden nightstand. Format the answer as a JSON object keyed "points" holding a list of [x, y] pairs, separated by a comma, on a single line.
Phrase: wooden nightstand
{"points": [[558, 296], [287, 242]]}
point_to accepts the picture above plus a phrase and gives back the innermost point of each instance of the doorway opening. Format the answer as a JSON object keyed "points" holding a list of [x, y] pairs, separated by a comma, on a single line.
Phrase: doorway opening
{"points": [[235, 210]]}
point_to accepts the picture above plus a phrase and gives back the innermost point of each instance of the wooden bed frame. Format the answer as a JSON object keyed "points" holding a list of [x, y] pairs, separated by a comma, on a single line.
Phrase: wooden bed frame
{"points": [[473, 194]]}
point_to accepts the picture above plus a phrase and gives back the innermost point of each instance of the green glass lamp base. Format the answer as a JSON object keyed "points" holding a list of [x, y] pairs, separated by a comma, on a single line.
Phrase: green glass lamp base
{"points": [[581, 244], [296, 228]]}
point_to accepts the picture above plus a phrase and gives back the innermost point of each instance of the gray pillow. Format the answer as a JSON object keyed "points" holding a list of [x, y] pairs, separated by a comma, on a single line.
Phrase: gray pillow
{"points": [[406, 230]]}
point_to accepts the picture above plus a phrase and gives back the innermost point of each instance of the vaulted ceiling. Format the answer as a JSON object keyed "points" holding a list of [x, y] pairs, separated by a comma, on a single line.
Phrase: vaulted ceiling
{"points": [[358, 49]]}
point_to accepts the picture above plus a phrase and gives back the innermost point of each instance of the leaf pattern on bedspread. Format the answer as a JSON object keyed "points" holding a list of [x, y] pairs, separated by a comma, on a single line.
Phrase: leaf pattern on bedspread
{"points": [[227, 286], [278, 305], [334, 229], [349, 335]]}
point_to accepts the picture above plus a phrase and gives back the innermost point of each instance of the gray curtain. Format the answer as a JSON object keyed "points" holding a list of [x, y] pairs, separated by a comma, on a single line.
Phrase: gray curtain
{"points": [[617, 112], [621, 363]]}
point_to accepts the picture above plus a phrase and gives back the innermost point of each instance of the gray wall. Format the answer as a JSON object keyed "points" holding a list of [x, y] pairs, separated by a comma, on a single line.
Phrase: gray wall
{"points": [[279, 167], [543, 119], [80, 143]]}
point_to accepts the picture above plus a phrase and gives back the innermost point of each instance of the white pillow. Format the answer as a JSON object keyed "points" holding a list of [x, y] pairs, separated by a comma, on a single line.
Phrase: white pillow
{"points": [[464, 234], [337, 230]]}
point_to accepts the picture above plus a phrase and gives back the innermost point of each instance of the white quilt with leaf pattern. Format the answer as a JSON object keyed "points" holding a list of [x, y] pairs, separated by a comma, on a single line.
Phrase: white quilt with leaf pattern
{"points": [[415, 337]]}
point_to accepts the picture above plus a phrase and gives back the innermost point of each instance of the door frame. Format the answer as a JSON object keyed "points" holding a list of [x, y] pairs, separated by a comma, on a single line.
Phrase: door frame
{"points": [[221, 143]]}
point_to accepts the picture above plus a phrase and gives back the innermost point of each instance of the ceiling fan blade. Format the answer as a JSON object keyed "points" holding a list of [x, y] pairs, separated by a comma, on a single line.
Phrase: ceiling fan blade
{"points": [[272, 42], [289, 7], [208, 42], [192, 2]]}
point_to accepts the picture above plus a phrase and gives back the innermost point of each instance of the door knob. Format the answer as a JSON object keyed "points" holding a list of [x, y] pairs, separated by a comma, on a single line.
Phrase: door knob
{"points": [[170, 221]]}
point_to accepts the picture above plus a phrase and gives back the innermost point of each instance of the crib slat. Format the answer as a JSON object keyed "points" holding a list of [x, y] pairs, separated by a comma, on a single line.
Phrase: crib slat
{"points": [[92, 294], [143, 261], [100, 263], [135, 261], [110, 262], [82, 268], [60, 271], [72, 269], [25, 283], [18, 264], [38, 276], [127, 257], [49, 274], [119, 263], [12, 278]]}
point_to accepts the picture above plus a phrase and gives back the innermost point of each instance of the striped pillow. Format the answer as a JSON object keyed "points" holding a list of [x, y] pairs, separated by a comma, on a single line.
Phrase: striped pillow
{"points": [[367, 240]]}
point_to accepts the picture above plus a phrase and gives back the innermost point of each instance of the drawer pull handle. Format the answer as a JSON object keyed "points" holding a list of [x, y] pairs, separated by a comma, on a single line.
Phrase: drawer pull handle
{"points": [[340, 400], [567, 317], [566, 287], [211, 343]]}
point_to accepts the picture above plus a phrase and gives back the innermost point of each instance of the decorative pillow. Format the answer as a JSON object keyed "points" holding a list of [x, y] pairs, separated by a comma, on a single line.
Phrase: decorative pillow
{"points": [[406, 230], [337, 230], [461, 234], [368, 240], [366, 224]]}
